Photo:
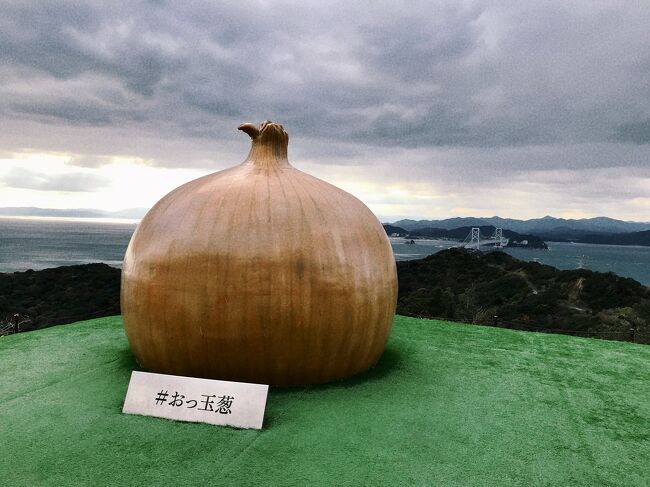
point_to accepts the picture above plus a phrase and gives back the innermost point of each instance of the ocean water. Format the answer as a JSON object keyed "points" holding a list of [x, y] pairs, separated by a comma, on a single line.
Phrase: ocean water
{"points": [[626, 261], [27, 243], [42, 243]]}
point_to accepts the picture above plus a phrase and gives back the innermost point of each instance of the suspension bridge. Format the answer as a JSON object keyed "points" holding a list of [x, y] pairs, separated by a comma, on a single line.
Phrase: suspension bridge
{"points": [[479, 241]]}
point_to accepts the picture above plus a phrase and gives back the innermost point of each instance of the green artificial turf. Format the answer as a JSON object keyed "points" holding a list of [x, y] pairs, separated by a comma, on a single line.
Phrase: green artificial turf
{"points": [[448, 404]]}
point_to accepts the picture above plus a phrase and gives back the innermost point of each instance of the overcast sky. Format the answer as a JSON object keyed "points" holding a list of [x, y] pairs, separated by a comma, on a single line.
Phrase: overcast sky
{"points": [[431, 109]]}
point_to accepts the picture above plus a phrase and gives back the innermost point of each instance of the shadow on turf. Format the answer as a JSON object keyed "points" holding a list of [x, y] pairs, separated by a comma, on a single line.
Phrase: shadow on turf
{"points": [[127, 359], [388, 364]]}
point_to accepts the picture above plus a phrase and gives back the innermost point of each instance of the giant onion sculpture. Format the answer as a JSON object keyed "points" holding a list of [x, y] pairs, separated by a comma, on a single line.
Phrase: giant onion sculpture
{"points": [[259, 273]]}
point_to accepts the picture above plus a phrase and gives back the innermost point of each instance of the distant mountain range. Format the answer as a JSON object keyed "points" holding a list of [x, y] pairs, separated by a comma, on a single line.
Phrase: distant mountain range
{"points": [[538, 226], [132, 213], [600, 230]]}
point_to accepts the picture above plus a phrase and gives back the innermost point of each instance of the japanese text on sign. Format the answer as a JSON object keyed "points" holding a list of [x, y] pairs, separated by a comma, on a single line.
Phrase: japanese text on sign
{"points": [[207, 403]]}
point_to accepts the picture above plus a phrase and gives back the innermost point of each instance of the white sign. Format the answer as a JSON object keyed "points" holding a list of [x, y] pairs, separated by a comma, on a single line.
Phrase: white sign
{"points": [[220, 402]]}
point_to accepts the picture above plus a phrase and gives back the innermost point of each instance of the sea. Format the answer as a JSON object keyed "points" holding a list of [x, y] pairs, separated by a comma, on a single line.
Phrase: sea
{"points": [[39, 243]]}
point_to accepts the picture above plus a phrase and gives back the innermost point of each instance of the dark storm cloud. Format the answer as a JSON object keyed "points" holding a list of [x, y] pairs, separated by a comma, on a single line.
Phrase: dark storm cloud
{"points": [[71, 182], [67, 39], [489, 77]]}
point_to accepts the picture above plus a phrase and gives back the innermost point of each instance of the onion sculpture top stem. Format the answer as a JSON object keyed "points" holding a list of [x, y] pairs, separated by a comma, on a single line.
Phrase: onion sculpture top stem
{"points": [[270, 143]]}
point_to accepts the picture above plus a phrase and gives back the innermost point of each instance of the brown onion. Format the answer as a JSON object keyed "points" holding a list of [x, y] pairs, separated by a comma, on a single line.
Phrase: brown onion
{"points": [[259, 273]]}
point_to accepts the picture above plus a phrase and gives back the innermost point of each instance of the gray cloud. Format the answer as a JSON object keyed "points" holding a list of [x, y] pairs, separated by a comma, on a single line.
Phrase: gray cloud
{"points": [[91, 161], [73, 112], [72, 182], [636, 132], [460, 91], [433, 74]]}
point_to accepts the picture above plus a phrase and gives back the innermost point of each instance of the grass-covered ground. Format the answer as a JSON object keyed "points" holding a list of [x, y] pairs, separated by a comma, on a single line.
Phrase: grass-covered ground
{"points": [[448, 404]]}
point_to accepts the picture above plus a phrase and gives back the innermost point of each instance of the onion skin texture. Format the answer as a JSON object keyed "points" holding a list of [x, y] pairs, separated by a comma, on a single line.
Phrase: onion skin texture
{"points": [[259, 273]]}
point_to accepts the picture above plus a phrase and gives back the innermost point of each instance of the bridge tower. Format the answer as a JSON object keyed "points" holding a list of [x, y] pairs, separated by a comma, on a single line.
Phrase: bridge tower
{"points": [[498, 236], [476, 238]]}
